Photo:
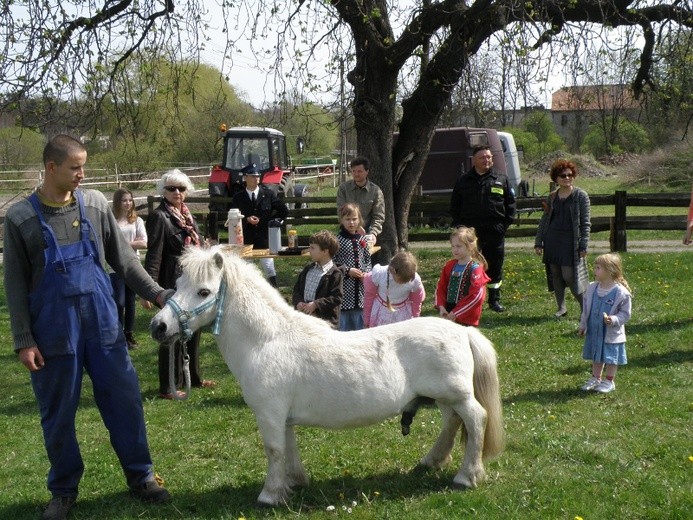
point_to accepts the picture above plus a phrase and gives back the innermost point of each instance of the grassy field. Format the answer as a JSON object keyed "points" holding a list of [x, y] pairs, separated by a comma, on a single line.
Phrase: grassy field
{"points": [[569, 454]]}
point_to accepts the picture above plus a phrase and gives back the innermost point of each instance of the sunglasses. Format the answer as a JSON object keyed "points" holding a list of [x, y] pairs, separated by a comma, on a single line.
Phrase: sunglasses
{"points": [[566, 176], [175, 188]]}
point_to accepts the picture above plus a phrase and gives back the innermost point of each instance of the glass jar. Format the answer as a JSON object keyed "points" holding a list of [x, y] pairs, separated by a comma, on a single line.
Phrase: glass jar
{"points": [[293, 239]]}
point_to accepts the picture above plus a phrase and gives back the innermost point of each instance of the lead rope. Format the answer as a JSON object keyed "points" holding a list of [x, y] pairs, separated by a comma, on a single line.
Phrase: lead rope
{"points": [[183, 318], [172, 370]]}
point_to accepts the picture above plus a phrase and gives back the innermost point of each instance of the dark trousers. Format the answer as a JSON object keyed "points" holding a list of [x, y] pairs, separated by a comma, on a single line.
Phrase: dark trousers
{"points": [[492, 246], [126, 302]]}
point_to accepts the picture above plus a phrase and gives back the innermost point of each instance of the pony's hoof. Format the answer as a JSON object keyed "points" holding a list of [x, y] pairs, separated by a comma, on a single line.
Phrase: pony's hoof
{"points": [[420, 469], [405, 430], [264, 505], [460, 487], [467, 481]]}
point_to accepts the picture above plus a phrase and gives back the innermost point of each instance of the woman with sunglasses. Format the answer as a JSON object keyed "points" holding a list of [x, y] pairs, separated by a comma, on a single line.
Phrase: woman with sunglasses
{"points": [[170, 229], [563, 235]]}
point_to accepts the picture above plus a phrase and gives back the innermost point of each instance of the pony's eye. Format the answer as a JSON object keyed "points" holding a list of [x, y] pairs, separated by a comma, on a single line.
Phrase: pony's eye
{"points": [[204, 293]]}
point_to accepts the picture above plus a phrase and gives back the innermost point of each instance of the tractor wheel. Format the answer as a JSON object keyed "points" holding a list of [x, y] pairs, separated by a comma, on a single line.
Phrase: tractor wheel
{"points": [[286, 189], [300, 191]]}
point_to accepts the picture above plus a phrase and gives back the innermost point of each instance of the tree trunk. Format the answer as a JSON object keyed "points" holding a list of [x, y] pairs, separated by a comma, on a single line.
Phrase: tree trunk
{"points": [[374, 110]]}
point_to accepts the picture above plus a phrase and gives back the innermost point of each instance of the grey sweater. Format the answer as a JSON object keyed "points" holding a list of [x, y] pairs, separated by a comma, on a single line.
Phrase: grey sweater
{"points": [[23, 254]]}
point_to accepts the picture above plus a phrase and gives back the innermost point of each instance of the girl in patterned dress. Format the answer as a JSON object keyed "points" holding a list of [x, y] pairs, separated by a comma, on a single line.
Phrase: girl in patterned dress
{"points": [[354, 259], [606, 309], [393, 292], [461, 289]]}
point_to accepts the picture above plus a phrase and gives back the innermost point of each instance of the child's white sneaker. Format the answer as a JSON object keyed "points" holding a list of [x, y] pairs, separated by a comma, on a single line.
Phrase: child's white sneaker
{"points": [[590, 384], [605, 387]]}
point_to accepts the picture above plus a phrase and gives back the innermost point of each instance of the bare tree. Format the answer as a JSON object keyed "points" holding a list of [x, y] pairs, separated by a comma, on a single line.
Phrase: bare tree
{"points": [[55, 45], [671, 104]]}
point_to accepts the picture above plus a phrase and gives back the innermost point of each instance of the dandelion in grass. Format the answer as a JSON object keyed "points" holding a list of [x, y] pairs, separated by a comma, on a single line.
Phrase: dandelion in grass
{"points": [[690, 458], [330, 509]]}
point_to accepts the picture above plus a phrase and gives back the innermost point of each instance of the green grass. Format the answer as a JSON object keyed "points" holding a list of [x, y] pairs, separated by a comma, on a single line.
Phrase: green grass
{"points": [[622, 455]]}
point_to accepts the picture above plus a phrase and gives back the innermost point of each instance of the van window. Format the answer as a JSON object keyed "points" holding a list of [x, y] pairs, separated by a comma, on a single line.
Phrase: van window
{"points": [[478, 140]]}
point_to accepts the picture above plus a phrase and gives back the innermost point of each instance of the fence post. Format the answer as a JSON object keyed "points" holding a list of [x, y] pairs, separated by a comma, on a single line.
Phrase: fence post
{"points": [[618, 239]]}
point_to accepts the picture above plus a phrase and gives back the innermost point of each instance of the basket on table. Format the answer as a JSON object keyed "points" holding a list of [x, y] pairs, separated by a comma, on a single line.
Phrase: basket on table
{"points": [[238, 249]]}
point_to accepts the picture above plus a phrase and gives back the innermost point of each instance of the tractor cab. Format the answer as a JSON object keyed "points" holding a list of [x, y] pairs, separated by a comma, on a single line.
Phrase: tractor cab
{"points": [[244, 147]]}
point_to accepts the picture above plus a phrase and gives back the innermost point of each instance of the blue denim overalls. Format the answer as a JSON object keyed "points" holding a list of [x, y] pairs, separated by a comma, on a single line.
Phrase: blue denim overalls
{"points": [[75, 326]]}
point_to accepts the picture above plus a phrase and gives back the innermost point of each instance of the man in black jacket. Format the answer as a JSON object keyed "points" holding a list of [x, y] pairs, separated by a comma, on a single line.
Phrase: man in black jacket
{"points": [[483, 199], [259, 205]]}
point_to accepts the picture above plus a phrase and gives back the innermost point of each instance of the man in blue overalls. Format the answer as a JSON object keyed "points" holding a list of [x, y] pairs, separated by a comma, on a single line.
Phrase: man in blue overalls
{"points": [[64, 321]]}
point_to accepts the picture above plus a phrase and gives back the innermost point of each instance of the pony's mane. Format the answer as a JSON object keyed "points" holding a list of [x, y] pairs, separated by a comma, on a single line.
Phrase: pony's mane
{"points": [[195, 261]]}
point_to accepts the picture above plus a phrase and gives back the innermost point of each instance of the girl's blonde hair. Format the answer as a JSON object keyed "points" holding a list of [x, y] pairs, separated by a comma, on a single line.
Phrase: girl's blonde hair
{"points": [[404, 265], [468, 237], [117, 207], [349, 209], [611, 262]]}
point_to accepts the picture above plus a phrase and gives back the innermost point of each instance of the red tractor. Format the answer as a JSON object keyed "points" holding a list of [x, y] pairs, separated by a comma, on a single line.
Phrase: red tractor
{"points": [[245, 146]]}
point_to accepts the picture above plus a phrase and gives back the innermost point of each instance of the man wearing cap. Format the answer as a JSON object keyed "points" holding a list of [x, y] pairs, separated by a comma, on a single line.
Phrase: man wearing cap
{"points": [[260, 205]]}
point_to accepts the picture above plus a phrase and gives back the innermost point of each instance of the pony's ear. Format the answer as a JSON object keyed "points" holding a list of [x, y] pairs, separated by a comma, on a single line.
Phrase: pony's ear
{"points": [[219, 259]]}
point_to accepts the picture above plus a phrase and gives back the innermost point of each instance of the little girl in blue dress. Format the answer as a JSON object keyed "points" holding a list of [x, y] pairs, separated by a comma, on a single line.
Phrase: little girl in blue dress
{"points": [[606, 309]]}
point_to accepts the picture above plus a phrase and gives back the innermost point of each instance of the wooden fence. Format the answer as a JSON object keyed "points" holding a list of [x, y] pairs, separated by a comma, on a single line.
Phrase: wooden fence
{"points": [[431, 212]]}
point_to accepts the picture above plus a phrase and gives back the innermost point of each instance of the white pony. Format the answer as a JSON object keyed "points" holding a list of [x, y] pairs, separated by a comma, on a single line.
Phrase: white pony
{"points": [[294, 369]]}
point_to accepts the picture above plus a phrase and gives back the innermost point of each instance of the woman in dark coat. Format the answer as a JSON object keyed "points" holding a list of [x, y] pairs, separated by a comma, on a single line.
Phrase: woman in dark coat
{"points": [[563, 235], [170, 229]]}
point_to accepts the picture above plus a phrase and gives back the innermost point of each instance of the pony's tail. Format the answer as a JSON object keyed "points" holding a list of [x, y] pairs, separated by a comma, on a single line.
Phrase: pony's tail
{"points": [[487, 391]]}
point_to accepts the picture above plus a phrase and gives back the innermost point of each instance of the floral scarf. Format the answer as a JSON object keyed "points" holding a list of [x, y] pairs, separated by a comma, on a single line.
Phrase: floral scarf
{"points": [[184, 220]]}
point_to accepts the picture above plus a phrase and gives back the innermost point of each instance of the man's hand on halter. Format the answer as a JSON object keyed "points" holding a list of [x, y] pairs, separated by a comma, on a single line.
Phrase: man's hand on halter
{"points": [[31, 358], [163, 296]]}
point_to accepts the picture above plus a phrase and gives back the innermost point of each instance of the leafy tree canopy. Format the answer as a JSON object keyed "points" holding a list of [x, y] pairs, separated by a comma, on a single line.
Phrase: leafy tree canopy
{"points": [[628, 137]]}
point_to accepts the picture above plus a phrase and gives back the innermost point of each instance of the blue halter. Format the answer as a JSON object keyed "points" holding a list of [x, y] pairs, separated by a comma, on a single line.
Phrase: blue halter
{"points": [[184, 316]]}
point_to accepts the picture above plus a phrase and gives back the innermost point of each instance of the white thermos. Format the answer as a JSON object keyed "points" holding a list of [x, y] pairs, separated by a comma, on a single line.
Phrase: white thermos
{"points": [[275, 236], [235, 227]]}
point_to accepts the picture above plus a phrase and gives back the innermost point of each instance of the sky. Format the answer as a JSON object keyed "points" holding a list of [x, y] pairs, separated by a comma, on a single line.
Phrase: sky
{"points": [[255, 82], [252, 82], [252, 79]]}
